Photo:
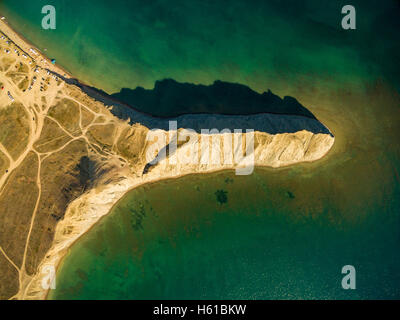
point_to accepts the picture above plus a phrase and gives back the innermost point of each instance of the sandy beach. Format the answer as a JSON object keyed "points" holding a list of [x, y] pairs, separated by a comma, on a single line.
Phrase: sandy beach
{"points": [[40, 58]]}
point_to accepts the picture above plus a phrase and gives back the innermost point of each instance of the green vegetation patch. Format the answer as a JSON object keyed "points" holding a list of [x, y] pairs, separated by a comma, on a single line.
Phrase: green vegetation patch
{"points": [[52, 137], [102, 134], [6, 63], [4, 163], [61, 179], [18, 201], [14, 129], [23, 68], [24, 84], [15, 76], [67, 113], [131, 142], [9, 282], [87, 117]]}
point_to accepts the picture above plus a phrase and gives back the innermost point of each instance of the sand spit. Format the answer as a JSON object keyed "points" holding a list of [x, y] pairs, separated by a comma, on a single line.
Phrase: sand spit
{"points": [[271, 150]]}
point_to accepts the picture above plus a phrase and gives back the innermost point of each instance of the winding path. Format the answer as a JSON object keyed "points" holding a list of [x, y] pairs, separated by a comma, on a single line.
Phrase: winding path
{"points": [[36, 119]]}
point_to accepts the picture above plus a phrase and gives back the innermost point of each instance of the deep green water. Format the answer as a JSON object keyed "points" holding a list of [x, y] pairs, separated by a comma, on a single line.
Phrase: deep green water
{"points": [[263, 44], [282, 233], [174, 240]]}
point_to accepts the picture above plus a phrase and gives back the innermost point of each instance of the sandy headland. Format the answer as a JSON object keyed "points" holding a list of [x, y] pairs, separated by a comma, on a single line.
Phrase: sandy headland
{"points": [[92, 150]]}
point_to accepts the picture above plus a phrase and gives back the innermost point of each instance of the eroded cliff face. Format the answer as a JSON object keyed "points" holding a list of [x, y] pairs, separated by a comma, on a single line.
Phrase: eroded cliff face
{"points": [[66, 159], [86, 210]]}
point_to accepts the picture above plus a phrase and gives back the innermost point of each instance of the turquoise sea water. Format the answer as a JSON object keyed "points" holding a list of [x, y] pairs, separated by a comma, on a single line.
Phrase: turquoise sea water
{"points": [[282, 233]]}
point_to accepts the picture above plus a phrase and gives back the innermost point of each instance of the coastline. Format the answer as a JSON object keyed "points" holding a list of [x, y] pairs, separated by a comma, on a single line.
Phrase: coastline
{"points": [[64, 251], [95, 211], [107, 99], [25, 45], [87, 210]]}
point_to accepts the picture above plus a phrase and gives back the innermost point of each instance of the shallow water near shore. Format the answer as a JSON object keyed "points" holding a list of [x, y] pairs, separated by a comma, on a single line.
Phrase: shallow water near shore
{"points": [[279, 233], [282, 233]]}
